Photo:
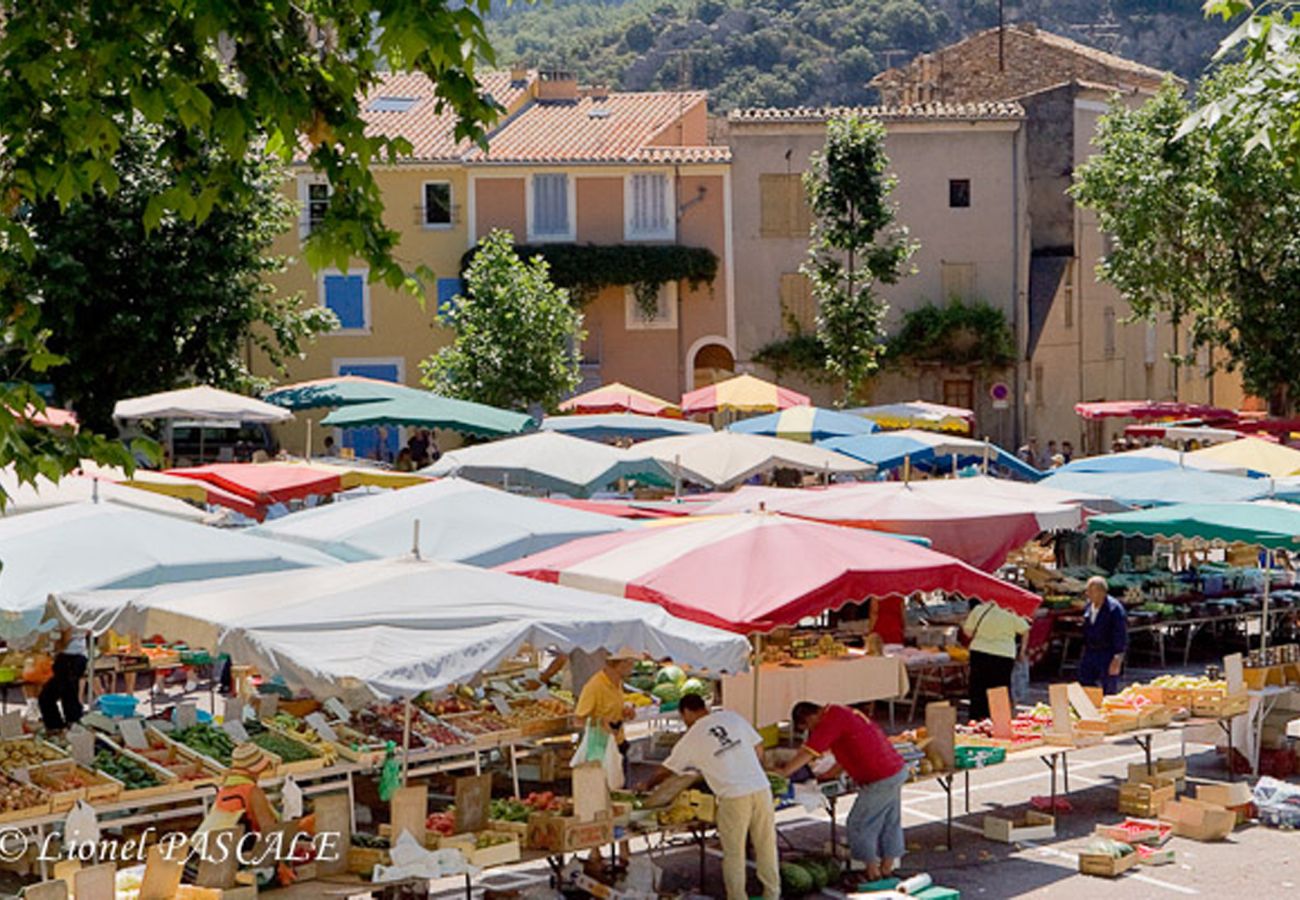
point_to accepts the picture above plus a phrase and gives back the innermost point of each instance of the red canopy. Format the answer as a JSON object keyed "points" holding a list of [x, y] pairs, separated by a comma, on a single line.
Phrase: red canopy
{"points": [[760, 571], [614, 508], [264, 485], [1147, 409]]}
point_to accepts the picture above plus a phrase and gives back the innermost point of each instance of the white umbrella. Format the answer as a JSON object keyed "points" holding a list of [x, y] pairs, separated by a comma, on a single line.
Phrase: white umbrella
{"points": [[70, 489], [724, 459], [458, 520], [102, 545], [549, 461], [207, 403], [396, 627]]}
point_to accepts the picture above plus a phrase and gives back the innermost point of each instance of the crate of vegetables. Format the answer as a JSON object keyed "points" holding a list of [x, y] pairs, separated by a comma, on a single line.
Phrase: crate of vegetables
{"points": [[20, 801], [1107, 858], [359, 748], [483, 728], [140, 777], [289, 756], [186, 766], [67, 782], [26, 752]]}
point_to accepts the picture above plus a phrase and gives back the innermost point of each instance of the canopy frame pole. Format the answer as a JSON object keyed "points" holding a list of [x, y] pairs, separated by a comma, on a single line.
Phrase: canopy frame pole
{"points": [[1268, 582], [415, 539], [677, 477], [954, 465], [406, 739], [90, 664], [201, 436], [984, 465], [907, 468], [307, 454], [758, 665]]}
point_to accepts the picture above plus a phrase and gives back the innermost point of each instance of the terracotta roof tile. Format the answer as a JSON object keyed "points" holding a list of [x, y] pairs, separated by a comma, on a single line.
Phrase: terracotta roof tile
{"points": [[921, 111]]}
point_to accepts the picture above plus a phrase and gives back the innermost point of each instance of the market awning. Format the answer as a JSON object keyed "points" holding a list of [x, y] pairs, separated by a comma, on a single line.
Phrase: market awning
{"points": [[1149, 459], [395, 627], [805, 423], [928, 450], [967, 522], [619, 398], [1148, 409], [205, 403], [918, 414], [723, 459], [614, 426], [458, 521], [427, 410], [1272, 525], [1254, 455], [744, 393], [340, 390], [263, 484], [759, 571], [94, 545], [550, 461], [1165, 486], [71, 489]]}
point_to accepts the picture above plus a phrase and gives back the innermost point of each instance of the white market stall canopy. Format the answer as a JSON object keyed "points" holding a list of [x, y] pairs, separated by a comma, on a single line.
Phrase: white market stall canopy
{"points": [[101, 545], [724, 459], [395, 627], [72, 489], [458, 521], [205, 403]]}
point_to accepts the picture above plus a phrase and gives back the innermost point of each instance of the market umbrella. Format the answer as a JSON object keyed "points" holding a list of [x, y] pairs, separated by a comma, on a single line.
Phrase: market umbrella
{"points": [[264, 484], [744, 393], [619, 508], [206, 403], [22, 498], [352, 476], [619, 398], [928, 451], [1148, 459], [918, 414], [457, 520], [396, 627], [1166, 486], [339, 390], [94, 545], [189, 489], [966, 522], [1254, 455], [723, 459], [805, 423], [754, 573], [551, 462], [613, 426], [1148, 409], [428, 410]]}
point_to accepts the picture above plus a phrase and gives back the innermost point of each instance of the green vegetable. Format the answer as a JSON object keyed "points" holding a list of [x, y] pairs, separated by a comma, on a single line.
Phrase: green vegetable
{"points": [[672, 674], [779, 784], [817, 872], [508, 811], [695, 686], [287, 749], [667, 692], [795, 879], [131, 773], [207, 739]]}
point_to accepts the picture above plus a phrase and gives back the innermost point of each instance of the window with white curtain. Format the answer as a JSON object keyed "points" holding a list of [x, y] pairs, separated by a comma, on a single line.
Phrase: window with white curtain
{"points": [[649, 206], [551, 215]]}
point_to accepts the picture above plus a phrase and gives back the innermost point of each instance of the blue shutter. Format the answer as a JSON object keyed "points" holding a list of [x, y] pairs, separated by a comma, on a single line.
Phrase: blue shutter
{"points": [[448, 288], [345, 296]]}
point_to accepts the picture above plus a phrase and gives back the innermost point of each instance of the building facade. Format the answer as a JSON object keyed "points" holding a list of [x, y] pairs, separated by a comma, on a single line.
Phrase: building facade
{"points": [[564, 165]]}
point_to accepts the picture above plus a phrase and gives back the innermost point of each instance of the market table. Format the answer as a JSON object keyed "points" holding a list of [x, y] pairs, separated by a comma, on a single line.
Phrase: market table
{"points": [[1071, 627], [851, 679]]}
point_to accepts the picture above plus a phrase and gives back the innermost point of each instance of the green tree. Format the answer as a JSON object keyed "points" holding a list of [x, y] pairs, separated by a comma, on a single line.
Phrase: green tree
{"points": [[135, 310], [1203, 230], [856, 244], [281, 77], [517, 334]]}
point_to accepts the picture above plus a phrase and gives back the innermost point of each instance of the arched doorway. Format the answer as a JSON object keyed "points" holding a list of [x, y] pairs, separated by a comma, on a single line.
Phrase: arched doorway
{"points": [[712, 363]]}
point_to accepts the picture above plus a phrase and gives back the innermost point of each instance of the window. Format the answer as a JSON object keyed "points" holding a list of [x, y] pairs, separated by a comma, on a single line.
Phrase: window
{"points": [[648, 200], [959, 392], [784, 206], [314, 197], [437, 204], [957, 280], [348, 297], [798, 306], [1067, 294], [549, 214], [1108, 331], [665, 311], [959, 193], [392, 104]]}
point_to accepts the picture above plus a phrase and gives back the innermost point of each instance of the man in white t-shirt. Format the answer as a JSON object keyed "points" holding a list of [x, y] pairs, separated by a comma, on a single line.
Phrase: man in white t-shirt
{"points": [[728, 752]]}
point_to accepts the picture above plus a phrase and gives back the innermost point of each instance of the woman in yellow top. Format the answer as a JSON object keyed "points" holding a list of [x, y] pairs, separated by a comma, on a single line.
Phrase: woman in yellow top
{"points": [[993, 655]]}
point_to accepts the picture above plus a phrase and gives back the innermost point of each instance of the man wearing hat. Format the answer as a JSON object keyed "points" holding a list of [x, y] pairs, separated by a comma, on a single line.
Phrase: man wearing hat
{"points": [[239, 795]]}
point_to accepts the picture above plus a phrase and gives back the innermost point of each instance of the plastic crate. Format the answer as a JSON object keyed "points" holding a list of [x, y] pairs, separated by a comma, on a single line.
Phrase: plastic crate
{"points": [[978, 757], [117, 706]]}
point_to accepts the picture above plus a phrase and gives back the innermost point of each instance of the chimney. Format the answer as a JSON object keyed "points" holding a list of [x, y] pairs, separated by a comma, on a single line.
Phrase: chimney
{"points": [[557, 85], [518, 75], [597, 92]]}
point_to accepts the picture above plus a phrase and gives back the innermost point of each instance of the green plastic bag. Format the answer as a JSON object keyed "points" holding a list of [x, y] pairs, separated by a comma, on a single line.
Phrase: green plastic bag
{"points": [[390, 776], [597, 738]]}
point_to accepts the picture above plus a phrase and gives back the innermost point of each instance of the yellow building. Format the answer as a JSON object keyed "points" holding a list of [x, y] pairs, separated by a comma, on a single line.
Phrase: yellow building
{"points": [[564, 165]]}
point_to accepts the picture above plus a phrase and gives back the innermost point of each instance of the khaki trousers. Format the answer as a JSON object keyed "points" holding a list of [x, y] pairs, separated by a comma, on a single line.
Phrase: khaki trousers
{"points": [[752, 815]]}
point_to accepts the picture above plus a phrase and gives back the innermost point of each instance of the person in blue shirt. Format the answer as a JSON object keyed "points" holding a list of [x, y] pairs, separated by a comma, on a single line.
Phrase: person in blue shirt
{"points": [[1105, 638]]}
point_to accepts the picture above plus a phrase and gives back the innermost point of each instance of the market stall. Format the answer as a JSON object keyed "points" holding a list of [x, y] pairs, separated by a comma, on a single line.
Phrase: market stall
{"points": [[723, 459]]}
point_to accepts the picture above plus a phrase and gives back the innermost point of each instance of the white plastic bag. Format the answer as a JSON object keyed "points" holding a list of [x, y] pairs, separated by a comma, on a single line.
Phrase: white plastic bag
{"points": [[81, 826], [291, 799], [611, 759]]}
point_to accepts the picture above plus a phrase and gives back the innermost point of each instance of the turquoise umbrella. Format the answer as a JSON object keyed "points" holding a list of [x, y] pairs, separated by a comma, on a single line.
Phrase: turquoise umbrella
{"points": [[426, 410], [805, 423], [341, 390]]}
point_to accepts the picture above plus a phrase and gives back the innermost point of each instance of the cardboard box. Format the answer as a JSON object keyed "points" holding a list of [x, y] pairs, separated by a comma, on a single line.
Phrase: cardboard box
{"points": [[1032, 826], [1105, 865], [1138, 831], [564, 834], [1234, 796], [1175, 769], [1146, 800], [1199, 821]]}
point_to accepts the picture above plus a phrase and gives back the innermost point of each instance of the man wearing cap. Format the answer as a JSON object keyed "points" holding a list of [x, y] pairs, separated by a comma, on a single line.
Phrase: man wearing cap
{"points": [[239, 794]]}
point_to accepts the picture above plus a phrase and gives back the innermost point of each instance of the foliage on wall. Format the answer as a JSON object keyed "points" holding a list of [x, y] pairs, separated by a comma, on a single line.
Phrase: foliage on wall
{"points": [[958, 334]]}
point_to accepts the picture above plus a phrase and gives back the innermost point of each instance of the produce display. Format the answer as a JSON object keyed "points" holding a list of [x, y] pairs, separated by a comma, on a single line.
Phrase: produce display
{"points": [[25, 753], [286, 748], [779, 784], [384, 720], [441, 823], [808, 876], [15, 797], [208, 740], [485, 839], [133, 774], [1106, 847], [526, 711], [481, 723], [168, 757], [303, 733]]}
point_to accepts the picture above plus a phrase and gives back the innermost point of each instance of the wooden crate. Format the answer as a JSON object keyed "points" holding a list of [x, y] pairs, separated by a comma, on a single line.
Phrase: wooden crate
{"points": [[297, 767], [1105, 865], [190, 767], [564, 834], [54, 752], [1178, 698], [1032, 826], [497, 855], [39, 809], [362, 860], [98, 786], [370, 752], [1217, 704], [1156, 716], [168, 780], [1146, 800]]}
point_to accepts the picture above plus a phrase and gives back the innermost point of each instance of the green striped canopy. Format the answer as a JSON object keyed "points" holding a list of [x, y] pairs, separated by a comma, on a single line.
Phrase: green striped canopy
{"points": [[428, 410], [1272, 525]]}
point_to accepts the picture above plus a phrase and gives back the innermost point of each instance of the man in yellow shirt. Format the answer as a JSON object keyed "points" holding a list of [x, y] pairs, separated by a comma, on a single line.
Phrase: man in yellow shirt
{"points": [[601, 700], [993, 631]]}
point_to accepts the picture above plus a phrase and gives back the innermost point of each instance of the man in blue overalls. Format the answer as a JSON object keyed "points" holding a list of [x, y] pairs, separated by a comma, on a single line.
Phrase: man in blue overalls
{"points": [[1105, 638]]}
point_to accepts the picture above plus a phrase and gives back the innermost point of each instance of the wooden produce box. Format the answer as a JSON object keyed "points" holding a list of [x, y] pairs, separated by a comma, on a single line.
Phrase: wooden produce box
{"points": [[1155, 716], [500, 854], [41, 807], [168, 780], [282, 768], [1106, 866], [1032, 826], [1217, 704], [187, 766], [546, 727], [28, 751], [362, 860], [564, 834], [96, 786], [356, 747], [1152, 832], [520, 829], [1146, 800], [1178, 698], [1161, 768], [491, 739]]}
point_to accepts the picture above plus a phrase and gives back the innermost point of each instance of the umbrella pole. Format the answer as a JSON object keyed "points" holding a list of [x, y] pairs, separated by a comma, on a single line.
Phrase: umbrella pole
{"points": [[406, 739], [677, 477], [984, 467], [1268, 580], [758, 664], [201, 430], [90, 666], [415, 539], [954, 465], [307, 455], [907, 468]]}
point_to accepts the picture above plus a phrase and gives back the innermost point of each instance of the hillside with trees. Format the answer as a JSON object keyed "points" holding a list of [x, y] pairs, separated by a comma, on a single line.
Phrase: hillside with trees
{"points": [[796, 52]]}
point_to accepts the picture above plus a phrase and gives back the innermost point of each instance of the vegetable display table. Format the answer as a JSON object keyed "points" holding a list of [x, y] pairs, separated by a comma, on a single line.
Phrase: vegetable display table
{"points": [[853, 679]]}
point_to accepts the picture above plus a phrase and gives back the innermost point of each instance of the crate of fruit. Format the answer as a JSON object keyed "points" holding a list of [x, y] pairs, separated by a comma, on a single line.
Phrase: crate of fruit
{"points": [[483, 728], [187, 766], [359, 748], [67, 782], [484, 849], [140, 777], [26, 752], [20, 801], [1216, 703], [1177, 698]]}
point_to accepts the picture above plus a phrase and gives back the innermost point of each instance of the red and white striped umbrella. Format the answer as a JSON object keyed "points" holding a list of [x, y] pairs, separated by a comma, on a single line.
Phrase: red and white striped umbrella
{"points": [[760, 571]]}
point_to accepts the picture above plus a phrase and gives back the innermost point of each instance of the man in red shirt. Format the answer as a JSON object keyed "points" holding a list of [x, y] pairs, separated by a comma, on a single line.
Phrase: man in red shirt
{"points": [[861, 750]]}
